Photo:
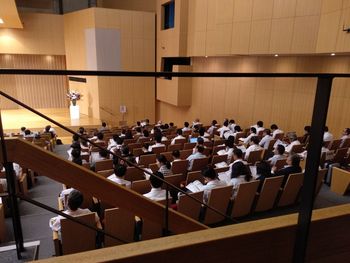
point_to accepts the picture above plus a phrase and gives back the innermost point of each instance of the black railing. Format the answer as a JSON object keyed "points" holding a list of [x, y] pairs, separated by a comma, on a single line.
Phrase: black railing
{"points": [[324, 86]]}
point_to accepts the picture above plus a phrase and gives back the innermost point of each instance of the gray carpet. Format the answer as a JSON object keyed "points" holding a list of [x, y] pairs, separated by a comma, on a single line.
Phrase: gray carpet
{"points": [[35, 220]]}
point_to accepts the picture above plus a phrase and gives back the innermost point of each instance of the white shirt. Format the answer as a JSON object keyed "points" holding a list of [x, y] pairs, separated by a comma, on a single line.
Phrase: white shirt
{"points": [[275, 132], [209, 186], [228, 151], [222, 130], [250, 149], [247, 140], [273, 160], [228, 134], [232, 127], [155, 146], [327, 136], [186, 129], [235, 182], [290, 146], [177, 137], [211, 129], [192, 157], [55, 222], [156, 194], [265, 141], [119, 180]]}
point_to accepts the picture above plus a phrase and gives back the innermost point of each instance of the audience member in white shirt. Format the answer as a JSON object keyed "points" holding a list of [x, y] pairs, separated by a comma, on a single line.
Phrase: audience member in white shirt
{"points": [[232, 125], [346, 135], [22, 131], [275, 130], [278, 154], [239, 171], [156, 193], [176, 156], [212, 128], [118, 176], [223, 129], [198, 154], [203, 134], [158, 143], [186, 127], [254, 146], [259, 127], [211, 181], [196, 122], [327, 136], [98, 156], [265, 141], [252, 133], [179, 136], [294, 140], [75, 200]]}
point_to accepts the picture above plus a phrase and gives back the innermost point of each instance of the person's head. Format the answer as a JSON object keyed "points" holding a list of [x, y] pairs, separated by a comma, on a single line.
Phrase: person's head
{"points": [[209, 173], [75, 153], [200, 141], [326, 129], [100, 136], [214, 122], [23, 129], [253, 130], [260, 124], [176, 154], [103, 153], [238, 128], [293, 137], [280, 149], [199, 148], [263, 168], [255, 140], [293, 160], [307, 129], [230, 142], [237, 154], [162, 160], [171, 124], [158, 137], [119, 140], [155, 181], [75, 200], [47, 128], [125, 150], [186, 124], [104, 125], [226, 123], [201, 131], [81, 130], [232, 121], [138, 129], [145, 133], [120, 171], [267, 132], [27, 132], [138, 123], [123, 131], [346, 131], [274, 127], [179, 132], [75, 137], [196, 120], [166, 126], [145, 147]]}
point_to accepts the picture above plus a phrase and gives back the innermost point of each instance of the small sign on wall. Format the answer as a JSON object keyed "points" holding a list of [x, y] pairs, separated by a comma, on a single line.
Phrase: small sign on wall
{"points": [[122, 109]]}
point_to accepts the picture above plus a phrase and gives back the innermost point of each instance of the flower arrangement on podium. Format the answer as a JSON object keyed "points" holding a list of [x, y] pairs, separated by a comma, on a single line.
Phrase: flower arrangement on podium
{"points": [[74, 96]]}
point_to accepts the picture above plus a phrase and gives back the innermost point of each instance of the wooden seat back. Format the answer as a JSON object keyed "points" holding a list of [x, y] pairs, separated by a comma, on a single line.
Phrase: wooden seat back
{"points": [[134, 174], [218, 159], [320, 177], [158, 150], [238, 136], [334, 145], [175, 179], [180, 141], [106, 173], [193, 176], [218, 142], [169, 156], [179, 167], [78, 238], [199, 164], [340, 155], [346, 143], [298, 148], [104, 165], [243, 202], [218, 148], [185, 153], [291, 189], [280, 163], [279, 136], [147, 159], [173, 147], [255, 156], [190, 207], [189, 145], [137, 151], [141, 187], [119, 223], [271, 144], [219, 199], [133, 146], [268, 193], [340, 181]]}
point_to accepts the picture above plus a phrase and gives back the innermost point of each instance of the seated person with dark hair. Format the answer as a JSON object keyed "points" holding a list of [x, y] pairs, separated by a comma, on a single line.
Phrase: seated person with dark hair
{"points": [[292, 167], [176, 155], [239, 171], [211, 181], [198, 154], [75, 200], [179, 136], [158, 138], [118, 176], [186, 127], [254, 146], [98, 156], [278, 154], [156, 193]]}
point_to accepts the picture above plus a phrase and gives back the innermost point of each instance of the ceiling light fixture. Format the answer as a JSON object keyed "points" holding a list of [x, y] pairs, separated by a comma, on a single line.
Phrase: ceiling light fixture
{"points": [[276, 55], [333, 54]]}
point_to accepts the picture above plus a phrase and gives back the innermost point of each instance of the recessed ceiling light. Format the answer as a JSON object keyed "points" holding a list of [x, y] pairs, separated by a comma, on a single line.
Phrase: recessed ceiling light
{"points": [[206, 56], [333, 54], [276, 55], [1, 21]]}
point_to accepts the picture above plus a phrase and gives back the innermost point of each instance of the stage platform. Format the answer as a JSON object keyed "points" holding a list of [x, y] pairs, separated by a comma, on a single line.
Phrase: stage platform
{"points": [[13, 120]]}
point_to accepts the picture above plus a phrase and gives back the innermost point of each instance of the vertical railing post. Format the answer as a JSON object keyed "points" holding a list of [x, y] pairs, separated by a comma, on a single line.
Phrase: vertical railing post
{"points": [[11, 188], [319, 117], [166, 233]]}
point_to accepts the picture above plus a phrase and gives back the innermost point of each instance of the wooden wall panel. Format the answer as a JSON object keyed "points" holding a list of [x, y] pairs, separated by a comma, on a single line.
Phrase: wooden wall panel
{"points": [[136, 5], [285, 101], [36, 91]]}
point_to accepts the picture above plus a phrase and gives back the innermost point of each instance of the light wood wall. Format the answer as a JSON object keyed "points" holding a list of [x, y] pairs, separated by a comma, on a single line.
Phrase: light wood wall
{"points": [[223, 27], [36, 91], [42, 34], [286, 102], [103, 95]]}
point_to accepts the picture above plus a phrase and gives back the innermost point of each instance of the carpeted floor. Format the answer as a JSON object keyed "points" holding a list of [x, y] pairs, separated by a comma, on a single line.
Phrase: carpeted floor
{"points": [[35, 220]]}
